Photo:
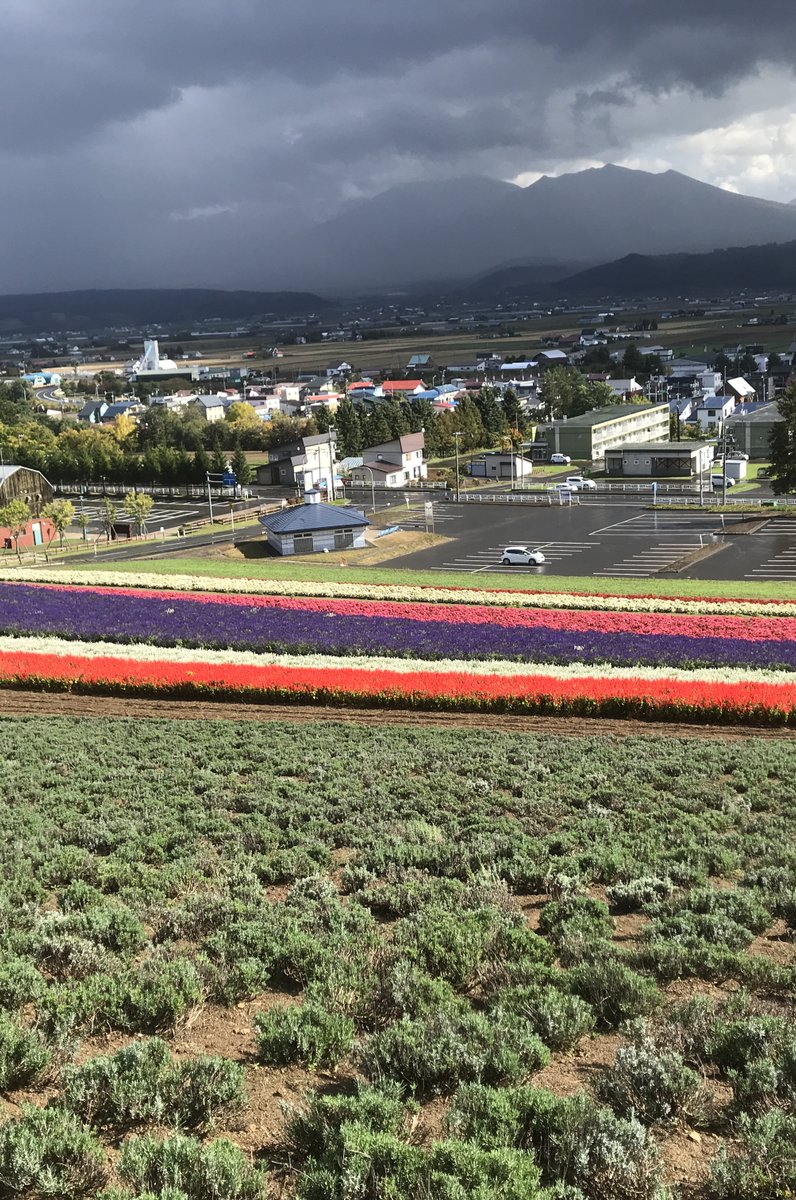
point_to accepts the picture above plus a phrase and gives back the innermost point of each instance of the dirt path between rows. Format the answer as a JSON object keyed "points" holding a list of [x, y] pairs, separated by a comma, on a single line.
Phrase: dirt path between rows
{"points": [[15, 703]]}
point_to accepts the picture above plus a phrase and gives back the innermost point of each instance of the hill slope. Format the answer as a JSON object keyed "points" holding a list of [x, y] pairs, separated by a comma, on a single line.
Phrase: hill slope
{"points": [[120, 307]]}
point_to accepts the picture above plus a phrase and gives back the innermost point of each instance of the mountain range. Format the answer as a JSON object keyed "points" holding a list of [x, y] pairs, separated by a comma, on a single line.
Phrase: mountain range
{"points": [[119, 307], [459, 229]]}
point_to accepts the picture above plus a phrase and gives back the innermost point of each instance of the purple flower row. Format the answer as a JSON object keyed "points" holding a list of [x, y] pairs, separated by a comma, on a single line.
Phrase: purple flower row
{"points": [[88, 615]]}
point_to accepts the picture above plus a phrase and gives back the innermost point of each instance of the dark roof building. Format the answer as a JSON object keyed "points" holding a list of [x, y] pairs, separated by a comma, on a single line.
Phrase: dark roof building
{"points": [[314, 527]]}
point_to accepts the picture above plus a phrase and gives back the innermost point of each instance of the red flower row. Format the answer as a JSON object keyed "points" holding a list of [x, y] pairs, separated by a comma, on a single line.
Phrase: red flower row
{"points": [[750, 629], [745, 700]]}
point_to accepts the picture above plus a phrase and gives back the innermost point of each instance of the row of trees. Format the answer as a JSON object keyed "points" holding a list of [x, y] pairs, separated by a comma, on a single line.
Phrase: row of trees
{"points": [[16, 516]]}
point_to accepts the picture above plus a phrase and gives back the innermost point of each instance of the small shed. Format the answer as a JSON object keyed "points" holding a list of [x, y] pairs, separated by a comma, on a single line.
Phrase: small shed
{"points": [[313, 527]]}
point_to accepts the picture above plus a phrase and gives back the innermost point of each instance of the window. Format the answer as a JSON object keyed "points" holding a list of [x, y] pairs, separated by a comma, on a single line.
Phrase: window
{"points": [[302, 543], [343, 539]]}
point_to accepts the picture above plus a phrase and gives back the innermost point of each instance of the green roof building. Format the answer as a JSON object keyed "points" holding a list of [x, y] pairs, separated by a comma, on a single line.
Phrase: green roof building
{"points": [[591, 434]]}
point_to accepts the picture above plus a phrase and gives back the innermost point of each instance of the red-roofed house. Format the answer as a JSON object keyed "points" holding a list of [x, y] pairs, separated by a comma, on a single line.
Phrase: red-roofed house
{"points": [[391, 387]]}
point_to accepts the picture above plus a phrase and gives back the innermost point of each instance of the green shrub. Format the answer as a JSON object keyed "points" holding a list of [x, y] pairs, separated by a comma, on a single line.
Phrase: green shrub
{"points": [[47, 1152], [210, 1171], [653, 1085], [464, 1171], [141, 1083], [20, 982], [577, 1145], [614, 991], [559, 1019], [314, 1131], [632, 894], [441, 1048], [23, 1055], [156, 995], [306, 1033], [761, 1164], [576, 919], [372, 1164]]}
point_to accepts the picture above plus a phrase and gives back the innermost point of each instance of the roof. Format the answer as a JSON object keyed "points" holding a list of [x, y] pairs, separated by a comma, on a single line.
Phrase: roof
{"points": [[211, 401], [386, 467], [624, 385], [657, 447], [419, 360], [552, 354], [741, 385], [7, 472], [401, 385], [716, 401], [348, 464], [306, 518], [766, 412], [611, 412]]}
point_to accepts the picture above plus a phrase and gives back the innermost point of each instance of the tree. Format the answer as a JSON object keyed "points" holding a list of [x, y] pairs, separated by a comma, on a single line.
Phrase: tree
{"points": [[83, 522], [60, 514], [773, 362], [138, 506], [561, 390], [349, 430], [633, 361], [14, 517], [783, 445], [241, 468], [512, 410], [241, 413], [201, 466], [108, 514]]}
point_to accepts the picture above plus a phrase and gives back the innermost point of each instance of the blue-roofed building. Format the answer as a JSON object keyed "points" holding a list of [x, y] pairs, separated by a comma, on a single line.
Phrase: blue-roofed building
{"points": [[314, 527]]}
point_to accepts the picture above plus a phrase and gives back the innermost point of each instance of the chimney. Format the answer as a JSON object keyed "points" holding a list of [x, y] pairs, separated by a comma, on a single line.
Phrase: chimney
{"points": [[312, 497]]}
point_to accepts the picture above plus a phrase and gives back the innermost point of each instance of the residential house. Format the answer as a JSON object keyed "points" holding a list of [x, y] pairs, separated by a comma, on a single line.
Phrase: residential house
{"points": [[305, 463], [393, 464], [625, 387], [711, 411], [751, 429], [212, 408], [552, 358], [420, 362], [93, 411], [398, 387], [741, 389]]}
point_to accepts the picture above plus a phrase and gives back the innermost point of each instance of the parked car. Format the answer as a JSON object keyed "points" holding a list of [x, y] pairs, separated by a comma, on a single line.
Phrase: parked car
{"points": [[718, 481], [763, 472], [578, 484], [522, 556], [560, 460]]}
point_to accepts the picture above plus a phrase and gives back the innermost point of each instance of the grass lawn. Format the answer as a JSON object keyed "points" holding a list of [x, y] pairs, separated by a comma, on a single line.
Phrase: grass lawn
{"points": [[311, 572]]}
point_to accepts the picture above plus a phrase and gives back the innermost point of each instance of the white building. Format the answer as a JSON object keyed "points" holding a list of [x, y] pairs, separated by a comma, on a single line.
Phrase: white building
{"points": [[393, 464]]}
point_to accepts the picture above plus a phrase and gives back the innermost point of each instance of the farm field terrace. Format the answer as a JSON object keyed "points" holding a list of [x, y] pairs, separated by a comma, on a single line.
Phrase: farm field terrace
{"points": [[381, 646], [313, 960]]}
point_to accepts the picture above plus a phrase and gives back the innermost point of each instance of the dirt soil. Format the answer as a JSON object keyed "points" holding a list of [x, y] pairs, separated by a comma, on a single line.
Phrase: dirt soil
{"points": [[14, 703]]}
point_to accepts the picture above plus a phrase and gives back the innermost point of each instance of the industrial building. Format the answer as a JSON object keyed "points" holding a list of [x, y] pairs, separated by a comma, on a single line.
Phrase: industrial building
{"points": [[751, 431], [495, 464], [658, 459], [587, 437]]}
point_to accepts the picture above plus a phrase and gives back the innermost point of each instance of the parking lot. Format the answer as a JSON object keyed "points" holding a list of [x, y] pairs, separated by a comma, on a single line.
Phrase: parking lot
{"points": [[606, 540]]}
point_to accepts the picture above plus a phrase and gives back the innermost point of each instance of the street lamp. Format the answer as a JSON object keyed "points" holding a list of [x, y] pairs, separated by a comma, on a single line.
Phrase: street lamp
{"points": [[372, 486], [456, 437]]}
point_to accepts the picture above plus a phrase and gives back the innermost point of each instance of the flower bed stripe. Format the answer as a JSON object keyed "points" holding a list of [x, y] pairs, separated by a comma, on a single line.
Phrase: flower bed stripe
{"points": [[124, 616], [727, 625], [747, 701], [55, 647], [504, 598]]}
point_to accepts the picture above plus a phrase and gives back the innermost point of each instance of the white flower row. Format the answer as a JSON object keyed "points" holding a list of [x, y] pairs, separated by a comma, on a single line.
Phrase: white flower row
{"points": [[428, 595], [243, 658]]}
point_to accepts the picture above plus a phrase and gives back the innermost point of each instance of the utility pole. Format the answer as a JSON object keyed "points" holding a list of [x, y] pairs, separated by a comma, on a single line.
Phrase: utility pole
{"points": [[209, 498], [456, 437], [331, 464]]}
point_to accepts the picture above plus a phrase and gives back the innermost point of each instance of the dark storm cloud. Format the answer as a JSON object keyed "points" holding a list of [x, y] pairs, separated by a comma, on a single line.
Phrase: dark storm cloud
{"points": [[136, 134]]}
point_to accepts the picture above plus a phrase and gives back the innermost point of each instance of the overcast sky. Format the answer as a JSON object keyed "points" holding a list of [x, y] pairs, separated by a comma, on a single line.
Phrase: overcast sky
{"points": [[170, 142]]}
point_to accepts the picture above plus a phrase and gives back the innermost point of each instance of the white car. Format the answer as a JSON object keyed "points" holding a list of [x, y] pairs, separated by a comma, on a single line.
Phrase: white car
{"points": [[561, 460], [578, 484], [522, 556], [719, 481]]}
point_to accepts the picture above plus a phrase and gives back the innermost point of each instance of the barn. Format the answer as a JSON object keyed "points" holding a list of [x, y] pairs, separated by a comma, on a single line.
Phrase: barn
{"points": [[23, 483]]}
